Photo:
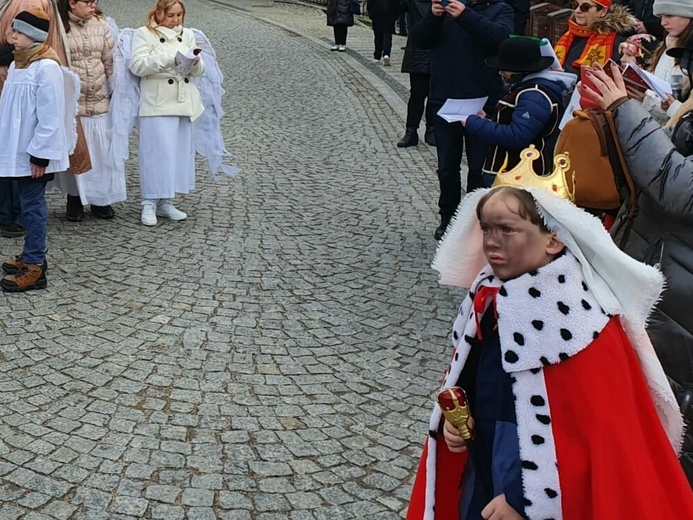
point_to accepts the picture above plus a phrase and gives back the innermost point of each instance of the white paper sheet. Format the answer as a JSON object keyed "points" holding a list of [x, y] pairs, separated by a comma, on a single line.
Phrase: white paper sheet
{"points": [[455, 110], [547, 51], [573, 104], [184, 62], [659, 86]]}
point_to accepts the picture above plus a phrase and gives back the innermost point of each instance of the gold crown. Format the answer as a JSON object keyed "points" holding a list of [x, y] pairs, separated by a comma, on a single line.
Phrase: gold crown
{"points": [[524, 176]]}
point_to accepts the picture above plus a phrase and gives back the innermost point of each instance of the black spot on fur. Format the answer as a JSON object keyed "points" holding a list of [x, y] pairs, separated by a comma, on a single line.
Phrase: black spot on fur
{"points": [[561, 278], [584, 286], [528, 464], [490, 278], [534, 292], [432, 433], [538, 324], [513, 380], [534, 370], [511, 357], [550, 493], [455, 335], [526, 502], [543, 419], [544, 361], [502, 291], [537, 400], [586, 305], [538, 439], [534, 273], [595, 335], [470, 340], [566, 334], [563, 356], [519, 339], [563, 308], [471, 295], [457, 356]]}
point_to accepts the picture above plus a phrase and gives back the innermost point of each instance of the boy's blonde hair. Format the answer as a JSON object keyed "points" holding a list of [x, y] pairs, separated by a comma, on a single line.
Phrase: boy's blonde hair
{"points": [[162, 6]]}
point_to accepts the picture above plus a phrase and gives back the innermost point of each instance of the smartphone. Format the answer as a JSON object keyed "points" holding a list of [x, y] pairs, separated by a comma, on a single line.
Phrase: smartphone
{"points": [[444, 3]]}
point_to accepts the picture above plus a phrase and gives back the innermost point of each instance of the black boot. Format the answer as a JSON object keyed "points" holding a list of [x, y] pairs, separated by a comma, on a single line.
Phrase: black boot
{"points": [[105, 212], [440, 231], [411, 138], [74, 211], [430, 136]]}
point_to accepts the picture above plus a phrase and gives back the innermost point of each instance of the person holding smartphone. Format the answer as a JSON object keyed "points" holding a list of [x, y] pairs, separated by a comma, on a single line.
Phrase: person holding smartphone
{"points": [[460, 37]]}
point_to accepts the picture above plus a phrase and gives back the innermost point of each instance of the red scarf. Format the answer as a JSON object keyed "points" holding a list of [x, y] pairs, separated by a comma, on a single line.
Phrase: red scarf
{"points": [[598, 49]]}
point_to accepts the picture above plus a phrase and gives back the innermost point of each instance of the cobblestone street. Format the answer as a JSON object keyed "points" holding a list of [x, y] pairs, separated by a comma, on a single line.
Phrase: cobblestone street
{"points": [[271, 357]]}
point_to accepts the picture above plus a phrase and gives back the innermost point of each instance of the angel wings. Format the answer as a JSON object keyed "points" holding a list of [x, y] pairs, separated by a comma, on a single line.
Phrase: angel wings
{"points": [[125, 102]]}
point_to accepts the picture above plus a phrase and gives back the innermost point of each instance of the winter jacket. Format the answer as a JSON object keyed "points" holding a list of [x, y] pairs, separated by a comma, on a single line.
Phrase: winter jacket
{"points": [[528, 115], [662, 234], [459, 47], [416, 60], [617, 20], [13, 8], [91, 57], [164, 92], [382, 7], [338, 13], [642, 10], [521, 14]]}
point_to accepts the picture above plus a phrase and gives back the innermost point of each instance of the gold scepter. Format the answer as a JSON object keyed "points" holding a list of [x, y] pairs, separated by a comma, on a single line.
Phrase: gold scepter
{"points": [[453, 402]]}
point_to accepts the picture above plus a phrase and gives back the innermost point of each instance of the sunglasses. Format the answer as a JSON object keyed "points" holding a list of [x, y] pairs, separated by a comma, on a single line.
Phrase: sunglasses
{"points": [[583, 8]]}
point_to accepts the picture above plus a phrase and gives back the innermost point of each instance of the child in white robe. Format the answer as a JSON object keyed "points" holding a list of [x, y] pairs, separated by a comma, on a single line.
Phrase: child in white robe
{"points": [[35, 140]]}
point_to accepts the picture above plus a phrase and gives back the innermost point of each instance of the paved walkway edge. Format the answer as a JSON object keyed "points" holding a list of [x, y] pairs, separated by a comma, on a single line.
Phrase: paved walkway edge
{"points": [[390, 97]]}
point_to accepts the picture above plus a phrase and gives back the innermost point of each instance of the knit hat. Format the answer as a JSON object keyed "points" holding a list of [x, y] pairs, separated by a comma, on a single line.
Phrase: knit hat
{"points": [[33, 23], [673, 8], [604, 3]]}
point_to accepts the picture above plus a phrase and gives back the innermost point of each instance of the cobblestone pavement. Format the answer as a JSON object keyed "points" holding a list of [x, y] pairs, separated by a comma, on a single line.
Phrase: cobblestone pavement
{"points": [[273, 356]]}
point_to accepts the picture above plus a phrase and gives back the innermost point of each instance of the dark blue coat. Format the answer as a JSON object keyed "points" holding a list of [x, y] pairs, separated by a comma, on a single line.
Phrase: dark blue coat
{"points": [[460, 46], [529, 118]]}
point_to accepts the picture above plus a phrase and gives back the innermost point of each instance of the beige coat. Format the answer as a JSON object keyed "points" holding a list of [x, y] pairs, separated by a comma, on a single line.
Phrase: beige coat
{"points": [[163, 91], [13, 8], [91, 57]]}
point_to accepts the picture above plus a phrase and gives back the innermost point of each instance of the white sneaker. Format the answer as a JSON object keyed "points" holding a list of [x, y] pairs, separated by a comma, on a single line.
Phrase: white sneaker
{"points": [[335, 47], [165, 208], [386, 61], [342, 48], [376, 60], [149, 213]]}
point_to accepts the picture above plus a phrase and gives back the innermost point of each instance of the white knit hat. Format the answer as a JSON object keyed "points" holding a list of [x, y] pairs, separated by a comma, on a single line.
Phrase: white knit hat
{"points": [[682, 8]]}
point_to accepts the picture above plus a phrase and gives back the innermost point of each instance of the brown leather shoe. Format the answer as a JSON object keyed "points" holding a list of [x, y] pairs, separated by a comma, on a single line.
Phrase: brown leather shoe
{"points": [[30, 276], [12, 266]]}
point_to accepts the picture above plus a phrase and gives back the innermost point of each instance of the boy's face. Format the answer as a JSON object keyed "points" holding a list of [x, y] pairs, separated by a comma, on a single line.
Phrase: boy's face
{"points": [[20, 41], [514, 246]]}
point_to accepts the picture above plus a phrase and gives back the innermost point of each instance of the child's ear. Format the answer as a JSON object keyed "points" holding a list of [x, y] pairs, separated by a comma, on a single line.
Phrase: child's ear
{"points": [[554, 246]]}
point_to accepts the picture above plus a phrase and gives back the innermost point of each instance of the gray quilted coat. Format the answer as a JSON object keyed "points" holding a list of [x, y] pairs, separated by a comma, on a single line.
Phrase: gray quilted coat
{"points": [[662, 234]]}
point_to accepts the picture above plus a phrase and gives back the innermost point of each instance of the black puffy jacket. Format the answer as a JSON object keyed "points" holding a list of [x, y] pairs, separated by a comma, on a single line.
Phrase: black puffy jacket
{"points": [[416, 59]]}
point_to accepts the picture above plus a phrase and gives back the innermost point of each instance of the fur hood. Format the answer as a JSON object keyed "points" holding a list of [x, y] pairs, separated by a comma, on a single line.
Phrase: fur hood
{"points": [[617, 19]]}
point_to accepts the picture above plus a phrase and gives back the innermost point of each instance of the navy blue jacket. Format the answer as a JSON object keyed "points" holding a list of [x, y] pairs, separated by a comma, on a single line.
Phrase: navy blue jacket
{"points": [[460, 46], [529, 118]]}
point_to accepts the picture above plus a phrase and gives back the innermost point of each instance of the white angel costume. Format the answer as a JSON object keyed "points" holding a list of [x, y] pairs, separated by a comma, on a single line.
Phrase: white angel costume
{"points": [[53, 136], [92, 40], [178, 114]]}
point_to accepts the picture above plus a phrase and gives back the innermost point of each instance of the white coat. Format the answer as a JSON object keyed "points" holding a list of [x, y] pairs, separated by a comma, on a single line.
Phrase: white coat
{"points": [[163, 91]]}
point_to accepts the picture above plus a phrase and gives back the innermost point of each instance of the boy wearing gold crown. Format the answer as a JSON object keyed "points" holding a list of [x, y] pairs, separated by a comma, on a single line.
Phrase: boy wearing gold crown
{"points": [[572, 416]]}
